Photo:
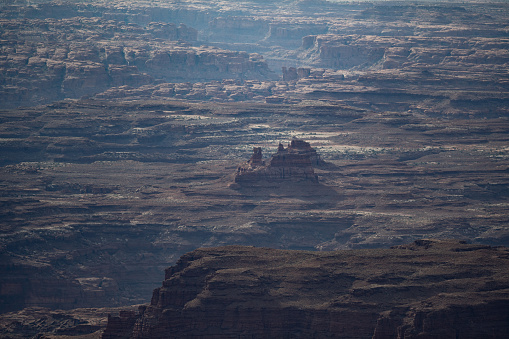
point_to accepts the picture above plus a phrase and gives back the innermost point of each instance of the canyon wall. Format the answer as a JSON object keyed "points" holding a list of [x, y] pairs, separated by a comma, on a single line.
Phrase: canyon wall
{"points": [[232, 52], [137, 115], [99, 197], [82, 56], [425, 289]]}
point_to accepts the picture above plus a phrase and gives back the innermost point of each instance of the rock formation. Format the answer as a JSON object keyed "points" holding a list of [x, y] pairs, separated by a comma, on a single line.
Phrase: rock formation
{"points": [[46, 323], [293, 73], [425, 289], [407, 102], [80, 56], [294, 163], [99, 196], [114, 50]]}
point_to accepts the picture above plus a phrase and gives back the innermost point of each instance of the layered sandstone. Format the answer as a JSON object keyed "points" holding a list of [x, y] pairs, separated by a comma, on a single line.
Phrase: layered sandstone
{"points": [[98, 197], [43, 322], [292, 163], [78, 56], [119, 50], [425, 289]]}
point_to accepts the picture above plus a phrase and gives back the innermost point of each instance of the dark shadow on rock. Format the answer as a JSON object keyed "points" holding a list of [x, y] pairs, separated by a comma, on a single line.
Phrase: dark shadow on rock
{"points": [[325, 165], [303, 190]]}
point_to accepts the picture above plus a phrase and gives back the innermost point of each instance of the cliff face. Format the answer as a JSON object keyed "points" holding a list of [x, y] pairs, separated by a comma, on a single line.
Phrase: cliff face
{"points": [[422, 290], [293, 163], [450, 317], [417, 59], [39, 322], [450, 52]]}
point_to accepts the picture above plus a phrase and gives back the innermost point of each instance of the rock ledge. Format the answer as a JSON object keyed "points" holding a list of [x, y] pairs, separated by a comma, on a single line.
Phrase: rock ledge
{"points": [[427, 289]]}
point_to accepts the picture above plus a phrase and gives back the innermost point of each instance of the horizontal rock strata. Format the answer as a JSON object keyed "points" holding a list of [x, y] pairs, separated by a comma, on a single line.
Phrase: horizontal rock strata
{"points": [[99, 197], [45, 323], [293, 163], [79, 56], [425, 289]]}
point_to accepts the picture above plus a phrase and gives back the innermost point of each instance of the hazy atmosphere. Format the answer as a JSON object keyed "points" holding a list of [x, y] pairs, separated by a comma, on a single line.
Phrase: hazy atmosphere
{"points": [[254, 169]]}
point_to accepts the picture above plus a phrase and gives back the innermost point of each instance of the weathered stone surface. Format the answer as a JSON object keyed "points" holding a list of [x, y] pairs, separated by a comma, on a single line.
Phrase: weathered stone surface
{"points": [[100, 194], [79, 56], [417, 56], [43, 322], [121, 326], [460, 316], [294, 163], [432, 288]]}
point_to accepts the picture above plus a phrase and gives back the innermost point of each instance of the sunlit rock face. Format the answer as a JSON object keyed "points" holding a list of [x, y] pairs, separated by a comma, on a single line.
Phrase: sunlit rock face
{"points": [[43, 59]]}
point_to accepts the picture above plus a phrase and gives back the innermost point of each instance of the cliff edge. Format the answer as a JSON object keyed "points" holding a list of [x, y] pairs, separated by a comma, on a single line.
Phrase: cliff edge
{"points": [[427, 289]]}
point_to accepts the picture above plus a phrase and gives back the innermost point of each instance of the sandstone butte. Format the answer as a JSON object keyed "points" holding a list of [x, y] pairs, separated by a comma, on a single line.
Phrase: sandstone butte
{"points": [[294, 163], [426, 289]]}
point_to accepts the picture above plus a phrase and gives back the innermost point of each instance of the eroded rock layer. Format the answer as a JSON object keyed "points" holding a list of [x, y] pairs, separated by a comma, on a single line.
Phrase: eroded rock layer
{"points": [[294, 163], [43, 322], [42, 60], [425, 289], [406, 102], [98, 198], [362, 53]]}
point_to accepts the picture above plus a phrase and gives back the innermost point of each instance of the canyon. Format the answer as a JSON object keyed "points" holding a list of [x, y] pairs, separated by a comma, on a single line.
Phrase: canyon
{"points": [[99, 202], [132, 133]]}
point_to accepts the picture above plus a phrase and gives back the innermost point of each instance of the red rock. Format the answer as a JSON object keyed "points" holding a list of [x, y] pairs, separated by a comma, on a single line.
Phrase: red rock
{"points": [[402, 292], [121, 326], [293, 163]]}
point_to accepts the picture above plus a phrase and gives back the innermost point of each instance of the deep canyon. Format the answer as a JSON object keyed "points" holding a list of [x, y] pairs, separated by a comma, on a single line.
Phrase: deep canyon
{"points": [[327, 137]]}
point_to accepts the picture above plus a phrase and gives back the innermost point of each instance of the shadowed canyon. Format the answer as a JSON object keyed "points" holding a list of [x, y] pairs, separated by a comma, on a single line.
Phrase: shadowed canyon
{"points": [[293, 154]]}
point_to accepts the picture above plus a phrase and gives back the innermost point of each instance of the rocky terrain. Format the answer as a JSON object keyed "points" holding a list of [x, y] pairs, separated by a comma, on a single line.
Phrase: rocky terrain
{"points": [[421, 290], [294, 163], [123, 124], [224, 51], [39, 322], [99, 197], [43, 58]]}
